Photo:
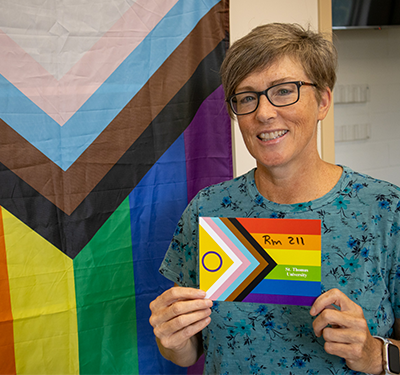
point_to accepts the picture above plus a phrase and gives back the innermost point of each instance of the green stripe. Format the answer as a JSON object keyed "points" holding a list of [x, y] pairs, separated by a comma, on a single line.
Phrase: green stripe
{"points": [[105, 299], [289, 272]]}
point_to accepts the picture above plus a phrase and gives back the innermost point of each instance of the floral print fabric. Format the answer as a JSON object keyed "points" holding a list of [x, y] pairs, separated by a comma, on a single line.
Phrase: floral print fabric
{"points": [[360, 229]]}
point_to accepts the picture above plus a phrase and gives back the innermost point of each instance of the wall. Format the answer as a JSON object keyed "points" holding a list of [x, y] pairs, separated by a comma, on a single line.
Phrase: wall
{"points": [[244, 16], [372, 58]]}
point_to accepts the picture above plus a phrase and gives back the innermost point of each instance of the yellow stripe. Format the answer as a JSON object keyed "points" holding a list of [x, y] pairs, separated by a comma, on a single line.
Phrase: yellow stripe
{"points": [[296, 258], [288, 241], [42, 290]]}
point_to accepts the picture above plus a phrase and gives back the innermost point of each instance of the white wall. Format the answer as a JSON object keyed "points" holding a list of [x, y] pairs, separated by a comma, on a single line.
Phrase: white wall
{"points": [[244, 16], [370, 57]]}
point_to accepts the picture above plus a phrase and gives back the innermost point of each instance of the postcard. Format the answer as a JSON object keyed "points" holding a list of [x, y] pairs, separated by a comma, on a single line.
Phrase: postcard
{"points": [[276, 261]]}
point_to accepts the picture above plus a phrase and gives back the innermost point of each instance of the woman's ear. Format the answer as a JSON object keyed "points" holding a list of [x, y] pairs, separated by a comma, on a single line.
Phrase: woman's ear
{"points": [[325, 103]]}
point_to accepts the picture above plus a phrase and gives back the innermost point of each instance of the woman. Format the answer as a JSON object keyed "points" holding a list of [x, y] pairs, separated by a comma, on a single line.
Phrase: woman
{"points": [[278, 82]]}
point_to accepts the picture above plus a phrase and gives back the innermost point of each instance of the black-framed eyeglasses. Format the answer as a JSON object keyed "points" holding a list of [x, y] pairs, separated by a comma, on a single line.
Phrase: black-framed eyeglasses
{"points": [[280, 95]]}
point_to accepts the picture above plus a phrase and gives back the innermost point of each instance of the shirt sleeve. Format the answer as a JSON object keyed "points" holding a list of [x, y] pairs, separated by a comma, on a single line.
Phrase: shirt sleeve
{"points": [[180, 263], [394, 272]]}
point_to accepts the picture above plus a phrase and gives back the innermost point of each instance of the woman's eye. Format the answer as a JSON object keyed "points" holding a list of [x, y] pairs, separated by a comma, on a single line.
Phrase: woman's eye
{"points": [[247, 99], [283, 92]]}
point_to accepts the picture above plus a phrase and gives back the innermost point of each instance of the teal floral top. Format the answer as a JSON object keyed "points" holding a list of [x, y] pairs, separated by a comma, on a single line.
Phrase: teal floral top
{"points": [[360, 229]]}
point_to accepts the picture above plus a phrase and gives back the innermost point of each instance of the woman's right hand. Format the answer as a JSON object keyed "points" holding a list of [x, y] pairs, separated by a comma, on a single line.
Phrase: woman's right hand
{"points": [[177, 316]]}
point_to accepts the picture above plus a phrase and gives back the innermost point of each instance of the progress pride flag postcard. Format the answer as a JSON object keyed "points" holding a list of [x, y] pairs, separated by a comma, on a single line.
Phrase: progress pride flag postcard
{"points": [[260, 260]]}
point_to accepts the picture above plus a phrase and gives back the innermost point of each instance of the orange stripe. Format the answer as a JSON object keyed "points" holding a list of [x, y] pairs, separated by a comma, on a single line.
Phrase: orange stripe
{"points": [[7, 363], [284, 226], [288, 242]]}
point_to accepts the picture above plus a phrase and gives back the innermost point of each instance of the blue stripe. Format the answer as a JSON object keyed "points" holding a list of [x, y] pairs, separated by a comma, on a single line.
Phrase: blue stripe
{"points": [[288, 287], [156, 205], [63, 145]]}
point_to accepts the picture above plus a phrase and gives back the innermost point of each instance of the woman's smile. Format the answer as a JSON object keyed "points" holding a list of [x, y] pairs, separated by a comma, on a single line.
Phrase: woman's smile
{"points": [[269, 136]]}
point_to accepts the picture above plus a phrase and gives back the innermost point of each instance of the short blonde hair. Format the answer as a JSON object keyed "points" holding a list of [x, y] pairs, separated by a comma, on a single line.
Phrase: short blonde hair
{"points": [[266, 44]]}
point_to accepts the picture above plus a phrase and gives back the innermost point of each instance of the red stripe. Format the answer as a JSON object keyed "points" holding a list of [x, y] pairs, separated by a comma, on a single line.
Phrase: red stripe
{"points": [[282, 226], [7, 362]]}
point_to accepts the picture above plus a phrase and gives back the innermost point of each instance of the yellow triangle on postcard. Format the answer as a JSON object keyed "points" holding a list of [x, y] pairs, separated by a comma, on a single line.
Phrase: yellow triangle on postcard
{"points": [[214, 261]]}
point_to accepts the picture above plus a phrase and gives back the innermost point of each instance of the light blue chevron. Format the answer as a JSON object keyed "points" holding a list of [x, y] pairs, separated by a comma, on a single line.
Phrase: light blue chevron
{"points": [[254, 262], [63, 145]]}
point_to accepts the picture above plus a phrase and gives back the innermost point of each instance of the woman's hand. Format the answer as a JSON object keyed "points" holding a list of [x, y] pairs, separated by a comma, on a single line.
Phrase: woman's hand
{"points": [[177, 316], [346, 332]]}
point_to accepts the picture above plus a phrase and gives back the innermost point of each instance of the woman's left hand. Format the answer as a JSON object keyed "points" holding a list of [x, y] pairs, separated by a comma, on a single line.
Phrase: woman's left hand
{"points": [[346, 332]]}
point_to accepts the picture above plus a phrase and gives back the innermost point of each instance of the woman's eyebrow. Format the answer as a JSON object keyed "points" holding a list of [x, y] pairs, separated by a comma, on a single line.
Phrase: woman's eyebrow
{"points": [[272, 83]]}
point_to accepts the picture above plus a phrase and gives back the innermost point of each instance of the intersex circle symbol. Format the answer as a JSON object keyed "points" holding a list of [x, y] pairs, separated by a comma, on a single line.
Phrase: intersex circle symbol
{"points": [[220, 261]]}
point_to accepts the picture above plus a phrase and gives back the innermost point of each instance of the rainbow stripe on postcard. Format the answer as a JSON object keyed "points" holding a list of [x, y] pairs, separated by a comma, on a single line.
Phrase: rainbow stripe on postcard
{"points": [[260, 260]]}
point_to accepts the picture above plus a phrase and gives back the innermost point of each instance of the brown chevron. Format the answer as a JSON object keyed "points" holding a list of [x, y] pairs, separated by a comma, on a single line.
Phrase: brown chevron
{"points": [[67, 189]]}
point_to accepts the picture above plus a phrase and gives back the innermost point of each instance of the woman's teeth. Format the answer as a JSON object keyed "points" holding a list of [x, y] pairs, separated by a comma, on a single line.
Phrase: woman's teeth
{"points": [[272, 135]]}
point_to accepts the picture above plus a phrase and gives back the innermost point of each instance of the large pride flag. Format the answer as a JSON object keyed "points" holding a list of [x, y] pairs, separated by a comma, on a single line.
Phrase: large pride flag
{"points": [[111, 118]]}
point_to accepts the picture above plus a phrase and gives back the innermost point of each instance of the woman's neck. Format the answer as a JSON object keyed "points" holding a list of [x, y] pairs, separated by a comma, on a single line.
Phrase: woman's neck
{"points": [[297, 185]]}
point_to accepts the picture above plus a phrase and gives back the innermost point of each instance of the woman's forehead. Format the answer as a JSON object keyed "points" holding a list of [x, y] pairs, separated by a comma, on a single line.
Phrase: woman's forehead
{"points": [[277, 71]]}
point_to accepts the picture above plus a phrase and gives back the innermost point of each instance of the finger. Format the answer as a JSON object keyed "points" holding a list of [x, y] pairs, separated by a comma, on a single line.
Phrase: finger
{"points": [[352, 353], [176, 294], [345, 335], [181, 308], [334, 318], [179, 338], [328, 317], [171, 327], [339, 349], [166, 313], [332, 297]]}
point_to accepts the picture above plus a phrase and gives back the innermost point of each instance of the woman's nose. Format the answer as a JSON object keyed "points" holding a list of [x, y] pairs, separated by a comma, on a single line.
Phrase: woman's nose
{"points": [[265, 109]]}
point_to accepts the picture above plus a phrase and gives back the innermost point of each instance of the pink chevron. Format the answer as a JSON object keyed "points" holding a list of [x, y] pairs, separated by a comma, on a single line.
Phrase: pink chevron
{"points": [[238, 253], [60, 99]]}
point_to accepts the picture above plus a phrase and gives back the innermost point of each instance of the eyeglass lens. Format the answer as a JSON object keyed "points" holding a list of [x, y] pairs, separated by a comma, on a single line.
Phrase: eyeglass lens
{"points": [[280, 95]]}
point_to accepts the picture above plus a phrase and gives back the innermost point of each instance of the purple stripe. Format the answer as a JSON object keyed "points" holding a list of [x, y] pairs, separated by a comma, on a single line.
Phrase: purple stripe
{"points": [[208, 145], [280, 300], [197, 369]]}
